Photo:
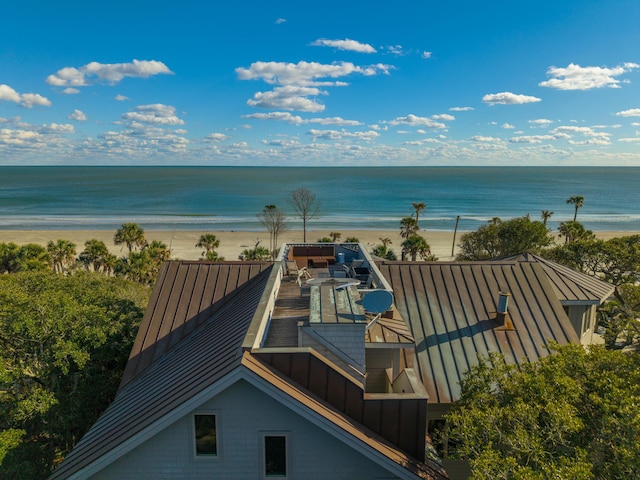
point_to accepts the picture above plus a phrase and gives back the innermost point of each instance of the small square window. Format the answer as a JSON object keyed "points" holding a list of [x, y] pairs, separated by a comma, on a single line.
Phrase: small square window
{"points": [[205, 435], [275, 456]]}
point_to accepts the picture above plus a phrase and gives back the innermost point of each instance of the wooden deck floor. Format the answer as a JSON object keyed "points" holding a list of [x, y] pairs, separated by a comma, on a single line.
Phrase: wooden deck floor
{"points": [[291, 307]]}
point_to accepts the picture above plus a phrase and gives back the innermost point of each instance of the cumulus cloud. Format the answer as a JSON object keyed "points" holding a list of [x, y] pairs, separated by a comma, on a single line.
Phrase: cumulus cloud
{"points": [[632, 112], [278, 116], [484, 139], [26, 100], [346, 44], [426, 54], [70, 91], [280, 21], [540, 122], [417, 121], [110, 73], [342, 134], [306, 73], [460, 109], [335, 121], [121, 98], [288, 97], [507, 126], [77, 115], [155, 114], [444, 117], [532, 138], [216, 137], [508, 98], [575, 77]]}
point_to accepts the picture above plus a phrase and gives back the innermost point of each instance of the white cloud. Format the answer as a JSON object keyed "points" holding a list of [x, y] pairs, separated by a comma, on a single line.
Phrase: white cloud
{"points": [[26, 100], [346, 44], [575, 77], [121, 98], [279, 116], [444, 117], [417, 121], [306, 73], [629, 139], [334, 121], [156, 114], [288, 97], [541, 122], [508, 98], [531, 138], [280, 21], [110, 73], [77, 115], [632, 112], [483, 139], [342, 134], [426, 54], [507, 126], [460, 109], [216, 137], [70, 91]]}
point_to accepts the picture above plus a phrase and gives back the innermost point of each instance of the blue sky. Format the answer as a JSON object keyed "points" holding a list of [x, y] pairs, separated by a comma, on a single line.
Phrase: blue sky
{"points": [[325, 83]]}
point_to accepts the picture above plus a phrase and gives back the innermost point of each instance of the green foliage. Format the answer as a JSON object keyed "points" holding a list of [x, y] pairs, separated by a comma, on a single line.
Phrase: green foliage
{"points": [[62, 255], [256, 253], [209, 242], [575, 231], [324, 240], [65, 340], [573, 414], [414, 246], [130, 234], [619, 317], [352, 240], [385, 252], [501, 238], [96, 257], [29, 257]]}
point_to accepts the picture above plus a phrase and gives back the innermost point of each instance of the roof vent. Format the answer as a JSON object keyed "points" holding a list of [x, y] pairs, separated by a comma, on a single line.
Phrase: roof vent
{"points": [[502, 315]]}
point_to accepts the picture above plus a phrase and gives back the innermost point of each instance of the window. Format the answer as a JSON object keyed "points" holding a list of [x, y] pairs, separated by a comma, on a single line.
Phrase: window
{"points": [[206, 441], [275, 456]]}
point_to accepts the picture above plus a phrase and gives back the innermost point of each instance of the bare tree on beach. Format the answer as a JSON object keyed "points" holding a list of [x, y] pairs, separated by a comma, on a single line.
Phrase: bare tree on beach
{"points": [[306, 206], [275, 221]]}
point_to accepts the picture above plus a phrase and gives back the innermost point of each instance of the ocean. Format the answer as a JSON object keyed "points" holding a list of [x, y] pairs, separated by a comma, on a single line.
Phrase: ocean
{"points": [[229, 198]]}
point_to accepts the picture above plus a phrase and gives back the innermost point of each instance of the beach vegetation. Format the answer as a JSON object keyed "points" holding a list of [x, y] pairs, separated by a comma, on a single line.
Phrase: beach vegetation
{"points": [[209, 242], [418, 207], [577, 202], [408, 227], [335, 236], [352, 240], [545, 215], [19, 258], [131, 235], [274, 220], [65, 342], [382, 250], [499, 238], [572, 414], [96, 257], [62, 255], [306, 207], [574, 231], [256, 253], [324, 240], [416, 246]]}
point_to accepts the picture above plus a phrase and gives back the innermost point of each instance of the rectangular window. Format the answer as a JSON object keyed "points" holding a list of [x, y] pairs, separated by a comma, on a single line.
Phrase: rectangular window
{"points": [[275, 456], [205, 435]]}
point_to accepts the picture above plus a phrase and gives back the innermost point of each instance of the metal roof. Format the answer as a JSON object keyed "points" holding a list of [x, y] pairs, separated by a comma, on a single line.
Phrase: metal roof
{"points": [[192, 365], [570, 285], [451, 310]]}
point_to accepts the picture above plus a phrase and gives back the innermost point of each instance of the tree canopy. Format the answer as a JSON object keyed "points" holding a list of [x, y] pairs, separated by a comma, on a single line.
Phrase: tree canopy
{"points": [[65, 341], [501, 238], [571, 415]]}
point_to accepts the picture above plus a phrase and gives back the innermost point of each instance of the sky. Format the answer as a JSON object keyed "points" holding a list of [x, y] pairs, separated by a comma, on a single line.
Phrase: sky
{"points": [[331, 83]]}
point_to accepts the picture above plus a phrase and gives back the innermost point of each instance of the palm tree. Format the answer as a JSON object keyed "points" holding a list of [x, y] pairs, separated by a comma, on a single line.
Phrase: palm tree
{"points": [[131, 235], [545, 215], [209, 242], [62, 254], [96, 255], [416, 245], [577, 202], [418, 206], [408, 227]]}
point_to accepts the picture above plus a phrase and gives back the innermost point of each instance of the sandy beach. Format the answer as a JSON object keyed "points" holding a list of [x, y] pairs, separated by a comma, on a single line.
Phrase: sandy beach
{"points": [[232, 243]]}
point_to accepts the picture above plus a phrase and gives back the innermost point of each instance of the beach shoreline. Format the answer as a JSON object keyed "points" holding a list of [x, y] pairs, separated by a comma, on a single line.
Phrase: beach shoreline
{"points": [[232, 243]]}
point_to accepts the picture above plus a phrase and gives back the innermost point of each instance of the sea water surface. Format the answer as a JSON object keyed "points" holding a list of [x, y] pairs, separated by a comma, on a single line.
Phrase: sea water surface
{"points": [[229, 198]]}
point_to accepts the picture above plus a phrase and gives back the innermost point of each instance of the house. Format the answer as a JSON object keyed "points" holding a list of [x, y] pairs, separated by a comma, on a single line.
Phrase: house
{"points": [[580, 294], [238, 371]]}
